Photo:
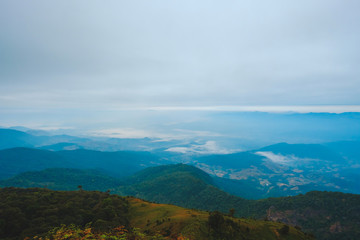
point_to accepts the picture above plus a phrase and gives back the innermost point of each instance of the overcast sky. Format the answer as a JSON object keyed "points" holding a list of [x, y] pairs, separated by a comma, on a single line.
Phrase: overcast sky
{"points": [[125, 54]]}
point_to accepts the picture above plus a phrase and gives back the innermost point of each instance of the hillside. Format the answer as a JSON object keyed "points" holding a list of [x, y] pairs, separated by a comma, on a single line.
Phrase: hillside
{"points": [[329, 215], [123, 163], [30, 212], [181, 185], [63, 179], [17, 160]]}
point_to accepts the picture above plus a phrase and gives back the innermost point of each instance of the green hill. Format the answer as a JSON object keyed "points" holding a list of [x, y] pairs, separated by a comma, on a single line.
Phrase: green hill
{"points": [[30, 212], [329, 215], [63, 179], [181, 185]]}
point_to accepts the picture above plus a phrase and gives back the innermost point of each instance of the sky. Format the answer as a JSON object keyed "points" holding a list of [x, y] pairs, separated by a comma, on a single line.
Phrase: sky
{"points": [[93, 56]]}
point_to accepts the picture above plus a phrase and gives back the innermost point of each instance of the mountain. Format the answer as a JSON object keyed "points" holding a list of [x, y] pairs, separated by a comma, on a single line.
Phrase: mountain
{"points": [[63, 179], [62, 146], [10, 138], [329, 215], [277, 170], [181, 185], [24, 137], [118, 164], [39, 212], [350, 150], [18, 160]]}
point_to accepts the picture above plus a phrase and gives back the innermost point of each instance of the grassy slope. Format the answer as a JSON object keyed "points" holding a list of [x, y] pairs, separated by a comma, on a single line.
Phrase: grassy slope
{"points": [[170, 220], [326, 214], [28, 212]]}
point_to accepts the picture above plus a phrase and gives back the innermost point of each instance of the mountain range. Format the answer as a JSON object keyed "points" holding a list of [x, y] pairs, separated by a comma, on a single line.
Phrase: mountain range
{"points": [[276, 170], [311, 186], [329, 215]]}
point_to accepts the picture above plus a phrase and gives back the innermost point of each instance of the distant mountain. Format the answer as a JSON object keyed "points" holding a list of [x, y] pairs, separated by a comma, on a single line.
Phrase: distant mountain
{"points": [[347, 149], [62, 146], [25, 137], [17, 160], [12, 138], [63, 179], [118, 164], [33, 212]]}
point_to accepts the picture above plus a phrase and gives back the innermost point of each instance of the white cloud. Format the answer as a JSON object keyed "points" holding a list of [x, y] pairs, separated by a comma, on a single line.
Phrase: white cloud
{"points": [[210, 147], [279, 158], [125, 133]]}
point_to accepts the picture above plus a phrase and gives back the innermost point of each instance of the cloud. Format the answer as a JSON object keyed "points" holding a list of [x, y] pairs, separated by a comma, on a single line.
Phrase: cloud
{"points": [[210, 147], [171, 134], [124, 54], [279, 158], [124, 133]]}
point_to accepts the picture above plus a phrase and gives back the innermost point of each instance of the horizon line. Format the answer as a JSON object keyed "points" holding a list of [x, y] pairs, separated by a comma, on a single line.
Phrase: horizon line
{"points": [[265, 108]]}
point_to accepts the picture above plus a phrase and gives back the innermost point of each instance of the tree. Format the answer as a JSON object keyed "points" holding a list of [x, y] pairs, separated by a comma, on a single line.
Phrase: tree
{"points": [[232, 212], [216, 220]]}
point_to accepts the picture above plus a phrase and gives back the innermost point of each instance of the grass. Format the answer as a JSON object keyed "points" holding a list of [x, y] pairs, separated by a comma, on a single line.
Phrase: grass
{"points": [[172, 221]]}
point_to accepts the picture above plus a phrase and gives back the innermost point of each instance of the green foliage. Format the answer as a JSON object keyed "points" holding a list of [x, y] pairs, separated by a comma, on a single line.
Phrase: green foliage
{"points": [[73, 232], [315, 212], [284, 230], [27, 212], [216, 220], [45, 214], [329, 215]]}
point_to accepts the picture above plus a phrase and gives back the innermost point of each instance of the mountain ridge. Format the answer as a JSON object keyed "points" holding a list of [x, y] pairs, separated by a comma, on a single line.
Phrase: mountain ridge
{"points": [[317, 212]]}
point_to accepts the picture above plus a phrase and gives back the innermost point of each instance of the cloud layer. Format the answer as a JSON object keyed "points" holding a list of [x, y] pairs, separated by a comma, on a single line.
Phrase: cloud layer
{"points": [[116, 54]]}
